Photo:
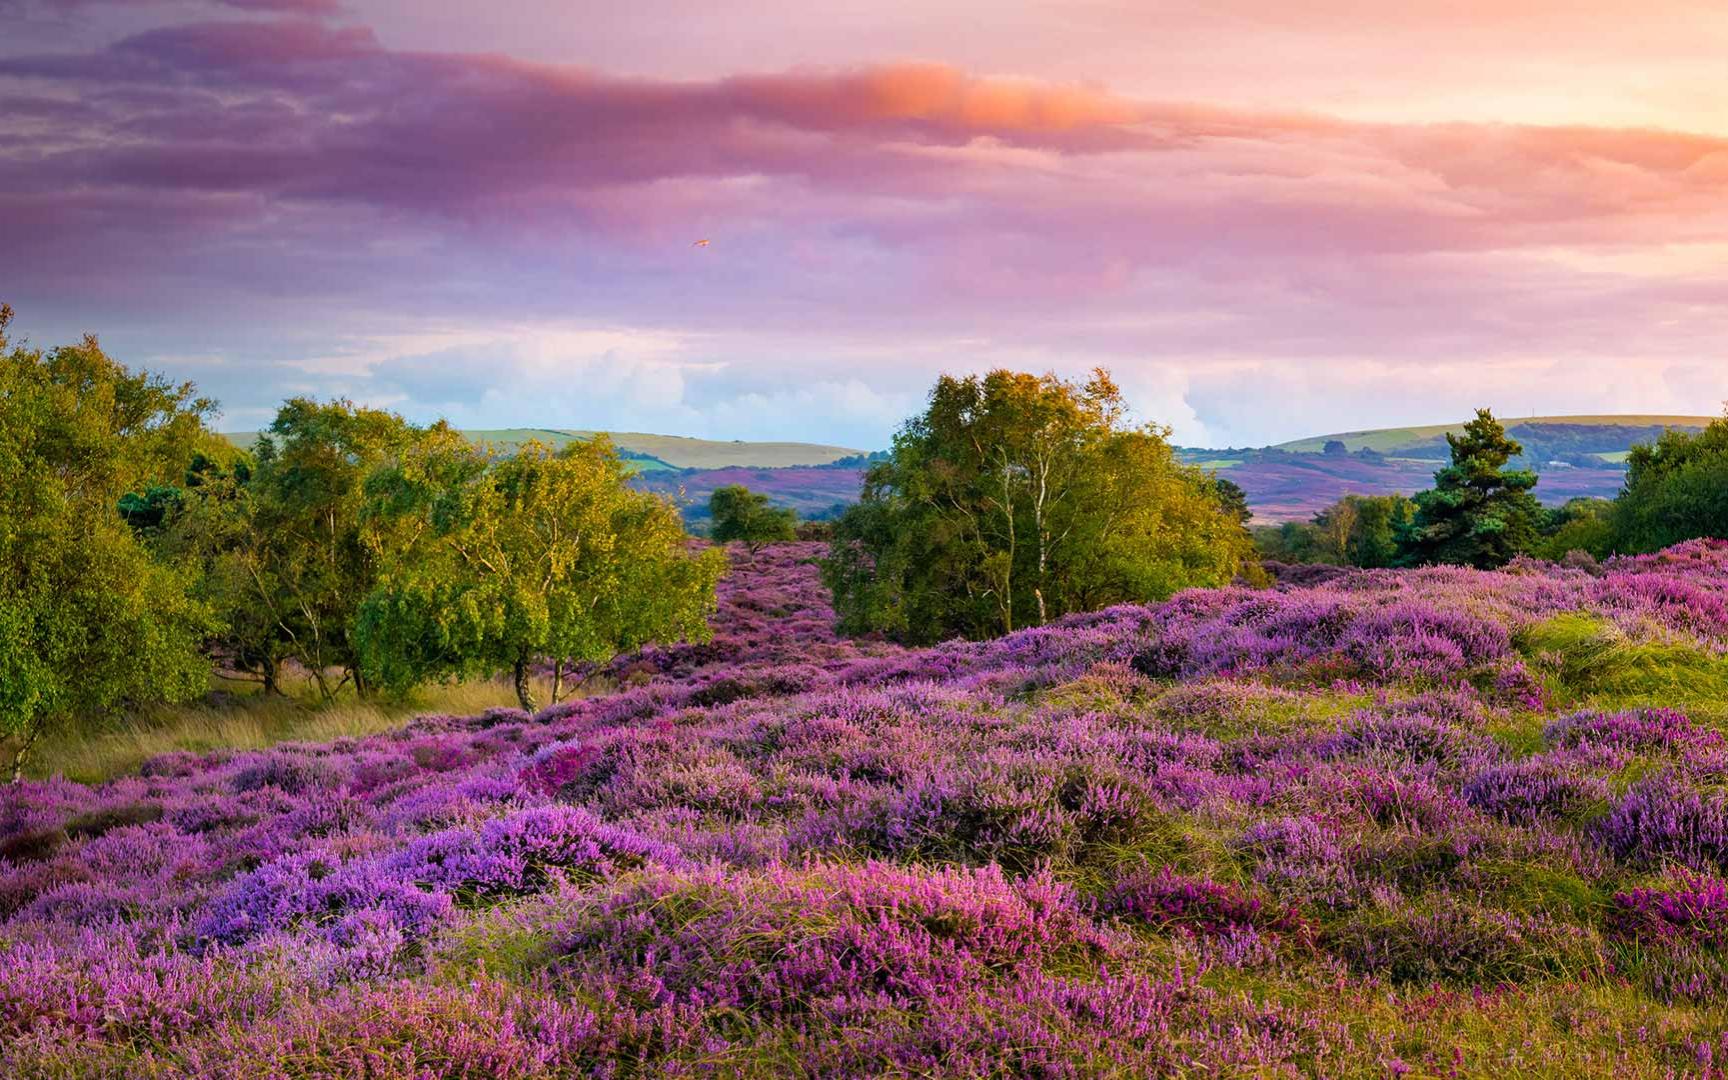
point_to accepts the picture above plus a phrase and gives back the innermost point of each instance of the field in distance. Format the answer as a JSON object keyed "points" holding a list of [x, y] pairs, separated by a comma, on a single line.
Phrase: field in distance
{"points": [[1397, 439], [654, 452], [1575, 456]]}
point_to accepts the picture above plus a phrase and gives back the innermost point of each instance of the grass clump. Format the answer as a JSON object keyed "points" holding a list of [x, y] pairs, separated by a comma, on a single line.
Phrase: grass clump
{"points": [[1590, 658], [235, 717]]}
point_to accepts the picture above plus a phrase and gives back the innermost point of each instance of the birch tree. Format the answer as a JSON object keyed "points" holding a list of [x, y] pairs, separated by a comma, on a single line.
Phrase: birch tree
{"points": [[1015, 499]]}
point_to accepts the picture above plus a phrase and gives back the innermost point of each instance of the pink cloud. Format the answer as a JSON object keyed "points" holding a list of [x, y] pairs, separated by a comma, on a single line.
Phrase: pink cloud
{"points": [[903, 204], [306, 110]]}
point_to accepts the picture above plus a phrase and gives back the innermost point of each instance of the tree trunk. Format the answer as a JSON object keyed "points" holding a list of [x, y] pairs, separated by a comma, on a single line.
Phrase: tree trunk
{"points": [[272, 684], [323, 679], [22, 754], [557, 679], [524, 691]]}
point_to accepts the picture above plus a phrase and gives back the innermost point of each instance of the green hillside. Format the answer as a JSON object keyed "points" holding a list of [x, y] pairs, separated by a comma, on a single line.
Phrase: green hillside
{"points": [[651, 452], [685, 453], [1391, 440]]}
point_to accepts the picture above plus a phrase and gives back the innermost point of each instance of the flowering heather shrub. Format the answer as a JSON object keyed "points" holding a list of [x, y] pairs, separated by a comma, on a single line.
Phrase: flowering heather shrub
{"points": [[1304, 858], [1666, 818], [1458, 942], [1694, 907], [1195, 905], [518, 852], [315, 893], [1403, 737], [1525, 792], [1049, 855], [1639, 729]]}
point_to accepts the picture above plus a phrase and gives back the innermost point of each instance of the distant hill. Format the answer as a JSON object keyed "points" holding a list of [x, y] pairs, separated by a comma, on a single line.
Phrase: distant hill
{"points": [[657, 452], [811, 490], [1575, 455], [1398, 442]]}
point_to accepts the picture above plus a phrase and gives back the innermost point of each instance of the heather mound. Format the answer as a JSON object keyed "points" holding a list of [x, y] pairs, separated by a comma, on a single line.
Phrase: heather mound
{"points": [[1437, 821]]}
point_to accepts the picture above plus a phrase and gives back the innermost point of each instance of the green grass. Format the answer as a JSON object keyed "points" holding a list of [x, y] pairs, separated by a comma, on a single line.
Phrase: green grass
{"points": [[1592, 661], [238, 717]]}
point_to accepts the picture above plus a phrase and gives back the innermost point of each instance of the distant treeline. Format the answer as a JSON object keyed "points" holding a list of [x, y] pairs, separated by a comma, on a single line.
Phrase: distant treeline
{"points": [[1540, 446], [1568, 444], [1676, 489]]}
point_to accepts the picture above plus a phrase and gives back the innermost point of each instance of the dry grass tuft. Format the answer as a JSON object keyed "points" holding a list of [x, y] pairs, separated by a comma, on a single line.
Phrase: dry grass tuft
{"points": [[235, 716]]}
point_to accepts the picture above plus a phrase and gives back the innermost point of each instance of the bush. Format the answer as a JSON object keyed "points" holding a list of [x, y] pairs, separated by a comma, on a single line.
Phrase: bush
{"points": [[741, 514]]}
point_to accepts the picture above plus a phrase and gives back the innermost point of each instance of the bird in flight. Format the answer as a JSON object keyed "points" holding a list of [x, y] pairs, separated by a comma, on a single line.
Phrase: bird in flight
{"points": [[700, 243]]}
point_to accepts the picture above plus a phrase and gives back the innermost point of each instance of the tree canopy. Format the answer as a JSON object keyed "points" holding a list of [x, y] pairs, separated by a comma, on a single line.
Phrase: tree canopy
{"points": [[1014, 499], [281, 546], [741, 514], [1676, 489], [1357, 530], [487, 564], [89, 619], [1478, 513]]}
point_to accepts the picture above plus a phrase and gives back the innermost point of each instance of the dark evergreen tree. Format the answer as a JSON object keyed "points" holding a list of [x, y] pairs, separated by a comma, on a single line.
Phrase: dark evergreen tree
{"points": [[1479, 513]]}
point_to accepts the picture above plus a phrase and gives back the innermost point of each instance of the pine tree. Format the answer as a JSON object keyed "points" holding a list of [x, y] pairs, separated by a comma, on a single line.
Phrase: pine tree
{"points": [[1479, 513]]}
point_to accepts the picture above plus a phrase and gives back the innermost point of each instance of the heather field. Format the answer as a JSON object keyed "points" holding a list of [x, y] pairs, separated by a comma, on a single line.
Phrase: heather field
{"points": [[1436, 822]]}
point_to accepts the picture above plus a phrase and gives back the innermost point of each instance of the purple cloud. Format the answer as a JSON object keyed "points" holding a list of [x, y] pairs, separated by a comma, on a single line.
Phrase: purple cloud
{"points": [[912, 210]]}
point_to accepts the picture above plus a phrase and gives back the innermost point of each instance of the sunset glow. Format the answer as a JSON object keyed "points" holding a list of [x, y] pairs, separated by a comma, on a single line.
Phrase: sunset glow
{"points": [[1269, 219]]}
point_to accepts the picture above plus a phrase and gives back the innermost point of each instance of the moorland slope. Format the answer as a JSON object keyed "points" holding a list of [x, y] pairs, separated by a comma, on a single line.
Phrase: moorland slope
{"points": [[1441, 822]]}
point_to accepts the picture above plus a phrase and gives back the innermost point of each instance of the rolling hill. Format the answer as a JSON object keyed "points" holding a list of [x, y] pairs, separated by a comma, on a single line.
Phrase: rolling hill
{"points": [[682, 452], [661, 452], [1394, 440], [1577, 456]]}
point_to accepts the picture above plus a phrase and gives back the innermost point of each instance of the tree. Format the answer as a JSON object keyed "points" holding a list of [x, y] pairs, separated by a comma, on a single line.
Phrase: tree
{"points": [[1334, 528], [1014, 499], [488, 564], [211, 530], [1676, 489], [1233, 498], [89, 621], [1357, 530], [741, 514], [1582, 524], [1379, 519], [290, 566], [1478, 513], [1335, 448]]}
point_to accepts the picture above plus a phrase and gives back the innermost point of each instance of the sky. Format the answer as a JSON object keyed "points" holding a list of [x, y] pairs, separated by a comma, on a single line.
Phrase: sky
{"points": [[1267, 218]]}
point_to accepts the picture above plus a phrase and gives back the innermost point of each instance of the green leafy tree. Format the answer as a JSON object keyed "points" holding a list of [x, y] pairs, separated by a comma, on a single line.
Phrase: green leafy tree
{"points": [[1014, 499], [1582, 524], [1379, 521], [741, 514], [284, 549], [211, 530], [1676, 489], [1357, 530], [1288, 541], [490, 564], [1478, 513], [89, 619]]}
